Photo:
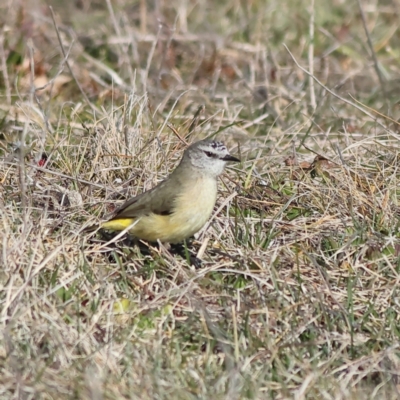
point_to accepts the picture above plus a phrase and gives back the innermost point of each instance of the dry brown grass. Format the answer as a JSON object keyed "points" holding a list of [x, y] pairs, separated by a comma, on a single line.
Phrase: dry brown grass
{"points": [[297, 296]]}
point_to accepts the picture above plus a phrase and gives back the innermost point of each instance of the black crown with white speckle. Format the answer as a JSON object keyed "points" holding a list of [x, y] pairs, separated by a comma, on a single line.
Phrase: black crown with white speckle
{"points": [[217, 145]]}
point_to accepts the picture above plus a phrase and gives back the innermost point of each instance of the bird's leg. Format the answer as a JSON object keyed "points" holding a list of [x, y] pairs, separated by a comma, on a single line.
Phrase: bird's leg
{"points": [[182, 250]]}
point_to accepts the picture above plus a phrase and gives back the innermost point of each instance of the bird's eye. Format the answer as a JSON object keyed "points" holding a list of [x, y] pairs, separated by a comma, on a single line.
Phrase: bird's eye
{"points": [[209, 154]]}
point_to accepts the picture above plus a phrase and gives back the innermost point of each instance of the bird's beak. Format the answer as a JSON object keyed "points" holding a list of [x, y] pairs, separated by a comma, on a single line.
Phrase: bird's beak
{"points": [[228, 157]]}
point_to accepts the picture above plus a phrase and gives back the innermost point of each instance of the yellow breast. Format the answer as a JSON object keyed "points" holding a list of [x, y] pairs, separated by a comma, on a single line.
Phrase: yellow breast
{"points": [[192, 208]]}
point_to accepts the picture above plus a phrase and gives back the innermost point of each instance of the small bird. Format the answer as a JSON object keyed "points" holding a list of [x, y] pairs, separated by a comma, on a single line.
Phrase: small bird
{"points": [[180, 205]]}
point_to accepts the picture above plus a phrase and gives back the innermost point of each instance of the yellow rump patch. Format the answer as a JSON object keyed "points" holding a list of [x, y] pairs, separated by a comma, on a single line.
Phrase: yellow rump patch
{"points": [[118, 224]]}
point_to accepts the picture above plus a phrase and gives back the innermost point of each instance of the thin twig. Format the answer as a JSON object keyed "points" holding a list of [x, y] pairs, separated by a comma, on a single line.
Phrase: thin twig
{"points": [[48, 171], [88, 102], [375, 119], [177, 134], [150, 58], [4, 69], [371, 48], [123, 47], [375, 111], [311, 57]]}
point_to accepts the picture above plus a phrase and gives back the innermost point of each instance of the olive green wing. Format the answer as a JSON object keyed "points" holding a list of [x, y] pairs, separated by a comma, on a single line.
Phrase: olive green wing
{"points": [[159, 200]]}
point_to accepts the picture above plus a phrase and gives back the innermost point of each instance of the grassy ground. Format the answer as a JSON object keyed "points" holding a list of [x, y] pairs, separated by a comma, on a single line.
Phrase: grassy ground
{"points": [[298, 293]]}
